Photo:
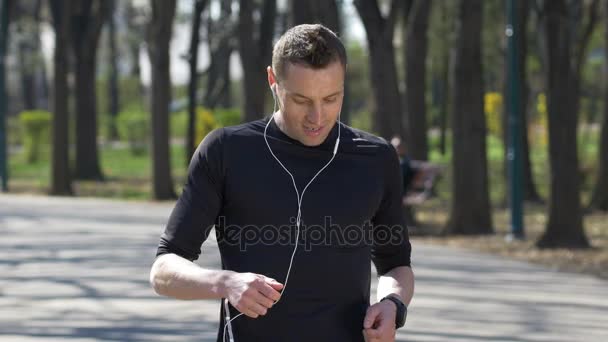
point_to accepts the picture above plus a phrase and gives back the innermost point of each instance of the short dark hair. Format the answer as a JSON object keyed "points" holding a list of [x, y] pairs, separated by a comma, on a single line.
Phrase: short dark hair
{"points": [[312, 45]]}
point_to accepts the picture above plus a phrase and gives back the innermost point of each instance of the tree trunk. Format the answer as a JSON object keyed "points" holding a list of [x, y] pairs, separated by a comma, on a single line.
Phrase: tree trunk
{"points": [[444, 75], [87, 20], [225, 97], [470, 210], [599, 199], [443, 107], [135, 68], [415, 43], [221, 44], [530, 192], [61, 182], [29, 54], [87, 156], [159, 38], [255, 54], [40, 78], [380, 31], [25, 60], [227, 46], [415, 77], [564, 226], [199, 6], [134, 39], [114, 101]]}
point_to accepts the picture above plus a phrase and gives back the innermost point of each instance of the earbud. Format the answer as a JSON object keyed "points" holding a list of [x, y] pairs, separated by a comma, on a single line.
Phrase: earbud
{"points": [[274, 95]]}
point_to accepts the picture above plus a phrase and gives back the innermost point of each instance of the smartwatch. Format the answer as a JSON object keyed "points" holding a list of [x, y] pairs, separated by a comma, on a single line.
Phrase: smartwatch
{"points": [[401, 310]]}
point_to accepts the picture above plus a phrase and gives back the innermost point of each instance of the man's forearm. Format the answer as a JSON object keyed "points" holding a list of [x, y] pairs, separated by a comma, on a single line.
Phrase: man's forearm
{"points": [[399, 281], [174, 276]]}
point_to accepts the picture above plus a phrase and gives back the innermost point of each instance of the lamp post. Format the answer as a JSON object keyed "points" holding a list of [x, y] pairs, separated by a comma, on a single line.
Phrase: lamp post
{"points": [[4, 5], [514, 153]]}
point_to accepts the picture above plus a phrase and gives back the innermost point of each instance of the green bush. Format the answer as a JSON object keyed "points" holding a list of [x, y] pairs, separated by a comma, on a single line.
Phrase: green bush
{"points": [[37, 133], [14, 131], [227, 116], [206, 121], [134, 127]]}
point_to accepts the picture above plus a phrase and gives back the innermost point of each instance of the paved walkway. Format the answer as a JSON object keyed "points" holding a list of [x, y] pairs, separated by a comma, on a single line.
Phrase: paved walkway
{"points": [[77, 270]]}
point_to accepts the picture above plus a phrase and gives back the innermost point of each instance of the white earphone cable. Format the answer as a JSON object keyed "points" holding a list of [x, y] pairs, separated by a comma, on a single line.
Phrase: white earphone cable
{"points": [[298, 217]]}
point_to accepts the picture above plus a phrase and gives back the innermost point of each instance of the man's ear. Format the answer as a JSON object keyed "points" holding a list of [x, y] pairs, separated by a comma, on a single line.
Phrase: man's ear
{"points": [[271, 77]]}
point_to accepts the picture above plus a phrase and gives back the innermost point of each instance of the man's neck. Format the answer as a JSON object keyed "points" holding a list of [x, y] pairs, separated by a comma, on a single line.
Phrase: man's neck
{"points": [[278, 119]]}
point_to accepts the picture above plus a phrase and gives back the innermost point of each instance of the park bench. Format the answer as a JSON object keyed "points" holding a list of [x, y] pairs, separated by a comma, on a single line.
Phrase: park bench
{"points": [[425, 177]]}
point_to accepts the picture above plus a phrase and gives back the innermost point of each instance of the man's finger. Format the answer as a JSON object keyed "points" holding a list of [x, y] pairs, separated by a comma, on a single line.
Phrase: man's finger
{"points": [[250, 313], [384, 325], [274, 283], [269, 292], [276, 286], [381, 331], [247, 311], [258, 309], [370, 336], [263, 300], [370, 317]]}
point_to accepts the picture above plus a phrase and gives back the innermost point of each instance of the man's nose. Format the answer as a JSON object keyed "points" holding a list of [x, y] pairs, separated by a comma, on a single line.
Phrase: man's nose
{"points": [[315, 115]]}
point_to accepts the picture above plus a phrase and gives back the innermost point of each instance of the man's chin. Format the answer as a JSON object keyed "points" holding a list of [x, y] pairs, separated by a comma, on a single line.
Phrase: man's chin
{"points": [[312, 142]]}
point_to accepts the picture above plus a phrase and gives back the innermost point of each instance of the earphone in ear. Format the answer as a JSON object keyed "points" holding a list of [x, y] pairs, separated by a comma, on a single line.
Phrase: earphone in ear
{"points": [[272, 90]]}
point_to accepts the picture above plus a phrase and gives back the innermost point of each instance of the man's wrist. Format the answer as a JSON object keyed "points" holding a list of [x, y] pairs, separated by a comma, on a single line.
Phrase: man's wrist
{"points": [[400, 309], [394, 295], [222, 283], [390, 302]]}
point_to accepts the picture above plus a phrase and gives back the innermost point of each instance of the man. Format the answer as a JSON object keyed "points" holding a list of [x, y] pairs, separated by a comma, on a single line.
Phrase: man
{"points": [[298, 214], [418, 178], [407, 172]]}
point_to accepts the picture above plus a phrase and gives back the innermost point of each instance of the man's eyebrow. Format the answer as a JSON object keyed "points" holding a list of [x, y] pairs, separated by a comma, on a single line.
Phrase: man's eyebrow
{"points": [[334, 94], [299, 95], [306, 97]]}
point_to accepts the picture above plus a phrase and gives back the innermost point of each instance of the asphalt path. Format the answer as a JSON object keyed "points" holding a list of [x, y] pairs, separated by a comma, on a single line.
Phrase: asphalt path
{"points": [[77, 270]]}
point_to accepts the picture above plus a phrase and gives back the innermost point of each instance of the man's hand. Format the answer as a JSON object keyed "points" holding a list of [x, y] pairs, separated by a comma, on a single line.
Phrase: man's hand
{"points": [[252, 294], [379, 322]]}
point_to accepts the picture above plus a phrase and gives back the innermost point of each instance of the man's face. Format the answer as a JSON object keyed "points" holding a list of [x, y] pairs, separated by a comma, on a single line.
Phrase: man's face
{"points": [[310, 101]]}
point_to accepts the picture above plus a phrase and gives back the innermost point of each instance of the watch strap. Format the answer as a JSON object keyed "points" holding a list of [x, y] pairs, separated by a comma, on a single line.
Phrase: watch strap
{"points": [[401, 310]]}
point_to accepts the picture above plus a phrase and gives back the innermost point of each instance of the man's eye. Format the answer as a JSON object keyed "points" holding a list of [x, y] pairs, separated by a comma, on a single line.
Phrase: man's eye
{"points": [[299, 101], [331, 99]]}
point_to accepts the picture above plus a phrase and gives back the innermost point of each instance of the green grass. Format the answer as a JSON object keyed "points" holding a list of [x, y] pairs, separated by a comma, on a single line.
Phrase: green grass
{"points": [[127, 176], [588, 151], [37, 174]]}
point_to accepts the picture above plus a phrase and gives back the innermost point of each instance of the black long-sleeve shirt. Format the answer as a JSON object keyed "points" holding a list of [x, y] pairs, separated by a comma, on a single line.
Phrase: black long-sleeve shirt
{"points": [[351, 215]]}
